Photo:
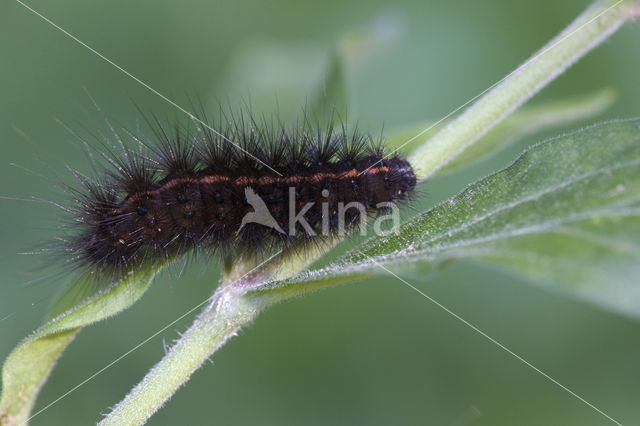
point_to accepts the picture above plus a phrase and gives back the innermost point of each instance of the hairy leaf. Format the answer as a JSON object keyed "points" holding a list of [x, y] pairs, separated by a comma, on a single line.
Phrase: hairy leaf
{"points": [[565, 213], [29, 364]]}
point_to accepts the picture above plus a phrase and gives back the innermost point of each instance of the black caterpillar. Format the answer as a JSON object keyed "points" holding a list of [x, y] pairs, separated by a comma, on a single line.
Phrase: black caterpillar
{"points": [[231, 192]]}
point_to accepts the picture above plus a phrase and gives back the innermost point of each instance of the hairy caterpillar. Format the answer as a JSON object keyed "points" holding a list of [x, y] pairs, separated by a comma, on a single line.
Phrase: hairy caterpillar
{"points": [[244, 190]]}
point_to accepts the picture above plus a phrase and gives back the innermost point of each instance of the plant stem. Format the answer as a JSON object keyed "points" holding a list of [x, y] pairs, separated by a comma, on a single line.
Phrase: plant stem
{"points": [[594, 25], [222, 318], [231, 307]]}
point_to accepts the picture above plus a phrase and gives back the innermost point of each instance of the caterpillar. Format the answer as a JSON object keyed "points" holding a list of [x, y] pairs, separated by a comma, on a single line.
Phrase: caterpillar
{"points": [[244, 189]]}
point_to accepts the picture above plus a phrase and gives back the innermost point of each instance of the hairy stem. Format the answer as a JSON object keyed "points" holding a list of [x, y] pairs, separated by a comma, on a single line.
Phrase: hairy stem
{"points": [[219, 321], [594, 25], [232, 307]]}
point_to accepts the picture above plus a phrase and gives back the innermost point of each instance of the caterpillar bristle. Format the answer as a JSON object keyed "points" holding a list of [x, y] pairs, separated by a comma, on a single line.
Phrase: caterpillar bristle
{"points": [[200, 189]]}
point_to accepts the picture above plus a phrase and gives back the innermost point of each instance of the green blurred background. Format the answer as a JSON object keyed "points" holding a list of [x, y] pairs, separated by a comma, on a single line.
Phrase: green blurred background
{"points": [[374, 352]]}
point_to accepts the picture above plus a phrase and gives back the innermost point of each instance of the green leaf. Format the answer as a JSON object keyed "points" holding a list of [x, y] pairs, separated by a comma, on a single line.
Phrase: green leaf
{"points": [[566, 214], [533, 119], [29, 364], [526, 121]]}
